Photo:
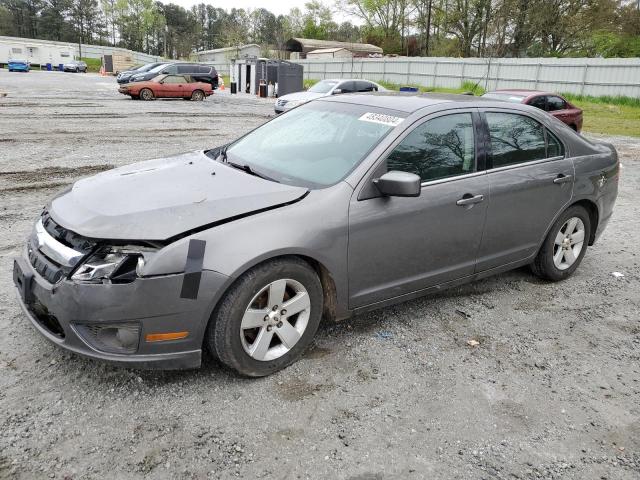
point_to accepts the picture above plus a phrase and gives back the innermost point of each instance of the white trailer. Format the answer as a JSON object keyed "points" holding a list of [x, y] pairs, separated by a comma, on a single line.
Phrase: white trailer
{"points": [[34, 51]]}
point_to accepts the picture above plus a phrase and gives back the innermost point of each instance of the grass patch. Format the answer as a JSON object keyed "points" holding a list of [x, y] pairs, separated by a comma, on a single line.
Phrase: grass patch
{"points": [[93, 64], [610, 119], [607, 99]]}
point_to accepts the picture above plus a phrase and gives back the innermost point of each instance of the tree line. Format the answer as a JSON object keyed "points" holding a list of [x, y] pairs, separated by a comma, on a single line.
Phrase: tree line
{"points": [[459, 28]]}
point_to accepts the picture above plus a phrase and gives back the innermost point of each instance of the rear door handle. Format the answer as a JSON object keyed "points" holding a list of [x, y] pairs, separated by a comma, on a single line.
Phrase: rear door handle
{"points": [[562, 178], [468, 199]]}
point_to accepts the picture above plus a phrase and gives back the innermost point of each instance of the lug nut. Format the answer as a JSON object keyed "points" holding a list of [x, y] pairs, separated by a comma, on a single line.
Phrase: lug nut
{"points": [[283, 312], [266, 318], [269, 327], [279, 324], [275, 307]]}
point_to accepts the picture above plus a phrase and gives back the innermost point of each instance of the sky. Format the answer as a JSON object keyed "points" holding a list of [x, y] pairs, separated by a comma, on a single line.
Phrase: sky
{"points": [[278, 7]]}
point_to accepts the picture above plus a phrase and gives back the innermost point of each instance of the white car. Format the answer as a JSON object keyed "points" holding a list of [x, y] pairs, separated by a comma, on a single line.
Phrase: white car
{"points": [[326, 88]]}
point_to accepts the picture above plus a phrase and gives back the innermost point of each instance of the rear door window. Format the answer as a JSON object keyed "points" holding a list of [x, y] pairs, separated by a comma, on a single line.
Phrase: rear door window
{"points": [[347, 87], [170, 69], [187, 69], [202, 69], [175, 79], [439, 148], [554, 146], [555, 103], [362, 86], [515, 139], [538, 102]]}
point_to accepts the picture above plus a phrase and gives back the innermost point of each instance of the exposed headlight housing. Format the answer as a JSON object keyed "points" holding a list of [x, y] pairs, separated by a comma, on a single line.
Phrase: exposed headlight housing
{"points": [[112, 264]]}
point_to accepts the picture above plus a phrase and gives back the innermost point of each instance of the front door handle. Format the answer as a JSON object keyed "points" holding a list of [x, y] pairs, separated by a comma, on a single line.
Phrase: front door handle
{"points": [[562, 178], [468, 199]]}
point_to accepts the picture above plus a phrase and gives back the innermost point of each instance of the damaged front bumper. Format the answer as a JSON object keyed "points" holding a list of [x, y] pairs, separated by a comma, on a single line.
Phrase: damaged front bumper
{"points": [[127, 324]]}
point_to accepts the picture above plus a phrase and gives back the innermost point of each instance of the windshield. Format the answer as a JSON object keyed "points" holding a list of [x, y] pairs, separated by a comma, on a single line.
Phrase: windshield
{"points": [[156, 68], [315, 145], [324, 86], [151, 66], [505, 97]]}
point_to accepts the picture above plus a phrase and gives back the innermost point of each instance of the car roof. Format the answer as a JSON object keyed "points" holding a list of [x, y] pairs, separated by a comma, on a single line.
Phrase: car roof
{"points": [[404, 102], [523, 92]]}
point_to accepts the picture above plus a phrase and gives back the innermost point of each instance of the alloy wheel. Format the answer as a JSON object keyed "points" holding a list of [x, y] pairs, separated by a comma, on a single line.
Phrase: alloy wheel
{"points": [[568, 243], [275, 320]]}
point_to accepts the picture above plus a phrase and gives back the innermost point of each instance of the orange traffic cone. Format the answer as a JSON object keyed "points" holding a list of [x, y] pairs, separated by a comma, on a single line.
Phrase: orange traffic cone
{"points": [[102, 73], [222, 84]]}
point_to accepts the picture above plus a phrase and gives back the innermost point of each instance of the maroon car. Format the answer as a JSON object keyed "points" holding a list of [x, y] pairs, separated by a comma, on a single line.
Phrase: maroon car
{"points": [[551, 103]]}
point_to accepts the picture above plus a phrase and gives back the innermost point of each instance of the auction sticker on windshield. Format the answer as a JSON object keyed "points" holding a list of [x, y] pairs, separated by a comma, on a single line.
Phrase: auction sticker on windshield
{"points": [[381, 118]]}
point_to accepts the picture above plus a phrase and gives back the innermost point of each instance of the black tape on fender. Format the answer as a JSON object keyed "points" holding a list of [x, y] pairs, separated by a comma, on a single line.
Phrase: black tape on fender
{"points": [[193, 269]]}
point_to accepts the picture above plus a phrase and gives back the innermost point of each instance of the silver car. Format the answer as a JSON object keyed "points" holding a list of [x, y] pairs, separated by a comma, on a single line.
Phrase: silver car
{"points": [[75, 66], [343, 205], [326, 88]]}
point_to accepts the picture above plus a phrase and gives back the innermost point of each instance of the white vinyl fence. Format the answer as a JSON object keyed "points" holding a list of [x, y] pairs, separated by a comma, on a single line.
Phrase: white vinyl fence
{"points": [[587, 76]]}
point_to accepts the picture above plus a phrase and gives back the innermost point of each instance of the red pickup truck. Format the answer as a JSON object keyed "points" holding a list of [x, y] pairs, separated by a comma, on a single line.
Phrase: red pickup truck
{"points": [[168, 86]]}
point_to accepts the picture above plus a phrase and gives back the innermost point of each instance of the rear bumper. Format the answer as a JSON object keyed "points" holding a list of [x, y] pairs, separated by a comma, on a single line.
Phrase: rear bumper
{"points": [[153, 304]]}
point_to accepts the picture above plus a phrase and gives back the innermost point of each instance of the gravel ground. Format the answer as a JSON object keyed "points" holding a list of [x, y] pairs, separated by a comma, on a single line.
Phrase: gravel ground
{"points": [[551, 391]]}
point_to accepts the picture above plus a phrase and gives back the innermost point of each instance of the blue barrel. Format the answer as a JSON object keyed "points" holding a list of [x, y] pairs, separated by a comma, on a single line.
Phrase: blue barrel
{"points": [[60, 66], [49, 67], [409, 89]]}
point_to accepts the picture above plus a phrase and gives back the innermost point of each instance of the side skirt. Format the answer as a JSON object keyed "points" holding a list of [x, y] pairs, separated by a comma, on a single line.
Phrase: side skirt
{"points": [[440, 287]]}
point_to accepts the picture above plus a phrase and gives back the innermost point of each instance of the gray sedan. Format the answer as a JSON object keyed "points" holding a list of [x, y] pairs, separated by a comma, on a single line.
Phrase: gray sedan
{"points": [[343, 205]]}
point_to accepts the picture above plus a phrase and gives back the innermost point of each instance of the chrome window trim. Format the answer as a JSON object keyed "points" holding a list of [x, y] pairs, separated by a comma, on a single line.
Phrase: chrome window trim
{"points": [[525, 164], [453, 178], [55, 250]]}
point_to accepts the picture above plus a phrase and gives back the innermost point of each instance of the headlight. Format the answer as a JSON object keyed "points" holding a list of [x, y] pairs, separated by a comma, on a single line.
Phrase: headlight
{"points": [[115, 264], [293, 103]]}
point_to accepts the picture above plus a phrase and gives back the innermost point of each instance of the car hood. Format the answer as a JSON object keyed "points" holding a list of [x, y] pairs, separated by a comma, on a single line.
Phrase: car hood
{"points": [[163, 198], [302, 96]]}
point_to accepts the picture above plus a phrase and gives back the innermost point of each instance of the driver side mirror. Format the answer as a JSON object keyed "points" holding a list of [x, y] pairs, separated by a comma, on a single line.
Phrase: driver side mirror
{"points": [[399, 184], [337, 91]]}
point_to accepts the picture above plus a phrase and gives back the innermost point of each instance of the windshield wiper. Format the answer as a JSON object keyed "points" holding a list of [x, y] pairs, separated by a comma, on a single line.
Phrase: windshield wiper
{"points": [[223, 152], [246, 168]]}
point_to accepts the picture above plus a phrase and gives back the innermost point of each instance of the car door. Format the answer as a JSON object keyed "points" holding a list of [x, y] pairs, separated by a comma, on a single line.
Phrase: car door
{"points": [[531, 181], [173, 86], [400, 245]]}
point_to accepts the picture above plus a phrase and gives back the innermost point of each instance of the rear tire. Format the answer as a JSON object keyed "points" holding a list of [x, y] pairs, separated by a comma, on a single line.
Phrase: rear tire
{"points": [[146, 94], [251, 330], [565, 245], [197, 95]]}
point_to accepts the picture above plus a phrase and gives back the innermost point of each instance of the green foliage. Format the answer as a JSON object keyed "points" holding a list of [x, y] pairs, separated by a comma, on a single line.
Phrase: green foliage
{"points": [[611, 44], [606, 99], [454, 28], [93, 64]]}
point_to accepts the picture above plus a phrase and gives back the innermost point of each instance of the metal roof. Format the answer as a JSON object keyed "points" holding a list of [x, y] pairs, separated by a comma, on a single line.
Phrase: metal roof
{"points": [[327, 50], [313, 44]]}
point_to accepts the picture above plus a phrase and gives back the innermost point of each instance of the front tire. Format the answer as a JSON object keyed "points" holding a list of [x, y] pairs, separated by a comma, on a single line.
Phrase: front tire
{"points": [[267, 318], [565, 245], [146, 94]]}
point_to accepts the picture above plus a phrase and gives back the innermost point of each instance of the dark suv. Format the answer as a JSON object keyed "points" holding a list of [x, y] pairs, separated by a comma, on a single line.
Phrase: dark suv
{"points": [[200, 73]]}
